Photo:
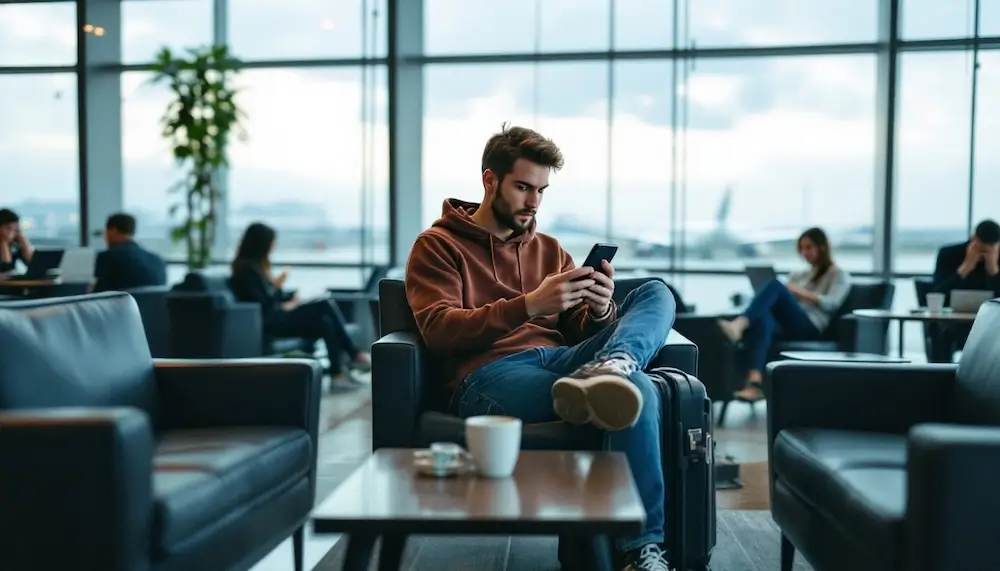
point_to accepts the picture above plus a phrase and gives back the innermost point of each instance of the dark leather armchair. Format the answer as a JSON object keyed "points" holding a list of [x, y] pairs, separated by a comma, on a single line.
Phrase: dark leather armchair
{"points": [[206, 322], [409, 407], [847, 333], [112, 460], [152, 304], [889, 467]]}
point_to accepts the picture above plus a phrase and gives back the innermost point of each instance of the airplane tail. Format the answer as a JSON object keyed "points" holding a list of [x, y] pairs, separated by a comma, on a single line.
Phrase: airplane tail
{"points": [[722, 214]]}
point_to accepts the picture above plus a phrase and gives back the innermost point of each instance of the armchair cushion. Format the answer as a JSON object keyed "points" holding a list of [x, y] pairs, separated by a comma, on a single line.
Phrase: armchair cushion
{"points": [[205, 476], [858, 479]]}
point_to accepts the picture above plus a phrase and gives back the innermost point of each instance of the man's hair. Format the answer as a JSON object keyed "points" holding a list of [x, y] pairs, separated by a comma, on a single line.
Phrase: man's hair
{"points": [[124, 223], [988, 232], [512, 143], [7, 216]]}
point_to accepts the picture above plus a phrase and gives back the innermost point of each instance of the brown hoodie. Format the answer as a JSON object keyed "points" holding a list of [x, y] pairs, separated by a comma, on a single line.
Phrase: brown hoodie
{"points": [[467, 291]]}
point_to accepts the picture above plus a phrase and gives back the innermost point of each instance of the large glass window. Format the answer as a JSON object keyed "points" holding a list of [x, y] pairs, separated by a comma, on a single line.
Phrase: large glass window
{"points": [[641, 164], [769, 147], [925, 19], [516, 26], [148, 167], [38, 155], [150, 25], [38, 34], [307, 29], [779, 22], [304, 169], [932, 157], [465, 104], [986, 194]]}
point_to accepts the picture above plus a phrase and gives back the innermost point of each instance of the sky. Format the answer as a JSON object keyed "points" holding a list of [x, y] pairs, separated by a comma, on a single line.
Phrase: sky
{"points": [[793, 136]]}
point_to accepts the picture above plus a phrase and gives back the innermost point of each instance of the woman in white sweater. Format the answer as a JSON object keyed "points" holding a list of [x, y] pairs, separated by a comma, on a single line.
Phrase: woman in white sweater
{"points": [[797, 311]]}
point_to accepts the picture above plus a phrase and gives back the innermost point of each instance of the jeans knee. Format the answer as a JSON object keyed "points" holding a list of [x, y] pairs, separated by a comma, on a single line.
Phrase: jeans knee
{"points": [[658, 291]]}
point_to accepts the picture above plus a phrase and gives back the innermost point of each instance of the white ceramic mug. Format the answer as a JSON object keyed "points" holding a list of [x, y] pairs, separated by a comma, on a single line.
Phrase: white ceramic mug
{"points": [[935, 302], [494, 443]]}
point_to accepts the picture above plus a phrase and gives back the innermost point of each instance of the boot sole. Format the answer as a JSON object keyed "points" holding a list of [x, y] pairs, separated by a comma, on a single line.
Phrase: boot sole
{"points": [[608, 402]]}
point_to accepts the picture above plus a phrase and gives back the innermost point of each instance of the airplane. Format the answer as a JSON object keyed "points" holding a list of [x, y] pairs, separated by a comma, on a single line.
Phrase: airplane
{"points": [[704, 239]]}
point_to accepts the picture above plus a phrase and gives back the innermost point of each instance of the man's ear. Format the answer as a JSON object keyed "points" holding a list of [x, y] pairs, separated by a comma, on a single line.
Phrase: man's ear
{"points": [[490, 182]]}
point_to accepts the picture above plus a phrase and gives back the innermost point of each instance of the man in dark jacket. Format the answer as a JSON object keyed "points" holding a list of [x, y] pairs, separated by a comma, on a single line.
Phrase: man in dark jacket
{"points": [[126, 264], [973, 264]]}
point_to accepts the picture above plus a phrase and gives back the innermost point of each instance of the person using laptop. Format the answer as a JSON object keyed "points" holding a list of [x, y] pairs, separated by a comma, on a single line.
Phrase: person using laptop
{"points": [[797, 311], [970, 265], [126, 264], [14, 245], [284, 315]]}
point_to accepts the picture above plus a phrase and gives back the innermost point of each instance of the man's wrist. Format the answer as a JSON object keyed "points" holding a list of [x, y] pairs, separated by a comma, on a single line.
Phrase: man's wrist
{"points": [[604, 314]]}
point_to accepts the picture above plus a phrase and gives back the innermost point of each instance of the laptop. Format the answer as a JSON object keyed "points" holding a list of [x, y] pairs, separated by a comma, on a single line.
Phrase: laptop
{"points": [[969, 300], [760, 276], [78, 265], [42, 262]]}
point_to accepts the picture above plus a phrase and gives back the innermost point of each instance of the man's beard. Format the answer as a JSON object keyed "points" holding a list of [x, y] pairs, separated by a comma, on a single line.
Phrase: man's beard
{"points": [[503, 214]]}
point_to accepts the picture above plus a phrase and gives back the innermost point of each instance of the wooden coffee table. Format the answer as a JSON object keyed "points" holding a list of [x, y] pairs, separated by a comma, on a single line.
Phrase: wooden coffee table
{"points": [[583, 497]]}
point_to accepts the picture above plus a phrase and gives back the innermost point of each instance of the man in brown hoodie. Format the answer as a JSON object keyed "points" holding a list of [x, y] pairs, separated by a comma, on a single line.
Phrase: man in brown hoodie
{"points": [[522, 332]]}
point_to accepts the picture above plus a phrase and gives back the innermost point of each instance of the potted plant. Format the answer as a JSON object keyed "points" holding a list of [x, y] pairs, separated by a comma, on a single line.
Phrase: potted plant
{"points": [[199, 121]]}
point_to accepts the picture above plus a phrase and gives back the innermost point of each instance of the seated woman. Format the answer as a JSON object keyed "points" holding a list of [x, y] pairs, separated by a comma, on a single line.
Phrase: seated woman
{"points": [[283, 314], [798, 311]]}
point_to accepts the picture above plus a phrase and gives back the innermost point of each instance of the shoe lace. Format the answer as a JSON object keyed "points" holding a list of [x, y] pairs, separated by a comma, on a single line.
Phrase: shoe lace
{"points": [[651, 559]]}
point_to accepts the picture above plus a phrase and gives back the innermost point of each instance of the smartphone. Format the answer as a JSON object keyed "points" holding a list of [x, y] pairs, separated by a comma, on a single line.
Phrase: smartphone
{"points": [[600, 252]]}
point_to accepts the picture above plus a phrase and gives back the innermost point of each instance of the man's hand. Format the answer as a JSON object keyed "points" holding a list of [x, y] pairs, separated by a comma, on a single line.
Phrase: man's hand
{"points": [[598, 296], [991, 255], [973, 254], [559, 292]]}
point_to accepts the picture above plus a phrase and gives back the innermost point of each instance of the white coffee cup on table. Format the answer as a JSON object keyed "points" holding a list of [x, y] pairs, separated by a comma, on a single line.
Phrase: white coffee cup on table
{"points": [[494, 443], [935, 302]]}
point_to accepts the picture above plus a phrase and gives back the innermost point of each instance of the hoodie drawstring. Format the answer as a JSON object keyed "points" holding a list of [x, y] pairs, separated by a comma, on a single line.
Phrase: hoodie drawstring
{"points": [[493, 260], [520, 274]]}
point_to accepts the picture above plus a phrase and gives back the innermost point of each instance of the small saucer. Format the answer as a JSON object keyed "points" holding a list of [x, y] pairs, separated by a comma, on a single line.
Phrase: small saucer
{"points": [[426, 466]]}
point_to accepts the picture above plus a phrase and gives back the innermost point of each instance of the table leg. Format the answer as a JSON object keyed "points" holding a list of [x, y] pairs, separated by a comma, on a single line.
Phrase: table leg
{"points": [[594, 553], [901, 324], [390, 555], [359, 552]]}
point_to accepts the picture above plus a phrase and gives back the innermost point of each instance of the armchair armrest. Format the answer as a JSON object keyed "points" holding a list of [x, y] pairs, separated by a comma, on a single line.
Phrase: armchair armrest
{"points": [[677, 352], [951, 505], [398, 389], [75, 488], [247, 392], [855, 396]]}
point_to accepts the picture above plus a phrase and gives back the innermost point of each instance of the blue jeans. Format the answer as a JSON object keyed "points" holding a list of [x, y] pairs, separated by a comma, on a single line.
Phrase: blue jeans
{"points": [[520, 385], [774, 311]]}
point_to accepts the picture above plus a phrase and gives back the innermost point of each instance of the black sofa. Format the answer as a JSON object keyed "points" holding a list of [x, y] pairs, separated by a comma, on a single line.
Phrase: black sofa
{"points": [[113, 461], [889, 467]]}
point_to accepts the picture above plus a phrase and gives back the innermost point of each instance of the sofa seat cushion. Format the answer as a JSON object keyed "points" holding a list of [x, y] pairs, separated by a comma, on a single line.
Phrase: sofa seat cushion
{"points": [[443, 427], [815, 345], [204, 476], [857, 479]]}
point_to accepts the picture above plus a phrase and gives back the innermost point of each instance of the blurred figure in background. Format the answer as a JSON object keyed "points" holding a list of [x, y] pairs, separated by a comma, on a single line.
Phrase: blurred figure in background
{"points": [[14, 245], [126, 264], [282, 312], [972, 264], [797, 311]]}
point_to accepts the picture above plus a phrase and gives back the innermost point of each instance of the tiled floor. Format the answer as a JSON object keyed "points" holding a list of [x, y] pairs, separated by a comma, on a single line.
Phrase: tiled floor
{"points": [[347, 442]]}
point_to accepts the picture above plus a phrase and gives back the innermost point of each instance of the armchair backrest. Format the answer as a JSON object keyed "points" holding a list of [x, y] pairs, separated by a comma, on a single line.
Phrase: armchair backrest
{"points": [[976, 398], [394, 310], [152, 304], [80, 351], [863, 295]]}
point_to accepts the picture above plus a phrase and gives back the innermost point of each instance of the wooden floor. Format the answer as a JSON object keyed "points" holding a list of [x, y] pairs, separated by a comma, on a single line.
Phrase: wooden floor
{"points": [[346, 442]]}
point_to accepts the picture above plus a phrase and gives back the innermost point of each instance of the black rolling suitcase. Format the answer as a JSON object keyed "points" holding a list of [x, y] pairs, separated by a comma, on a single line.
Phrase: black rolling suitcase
{"points": [[688, 449]]}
